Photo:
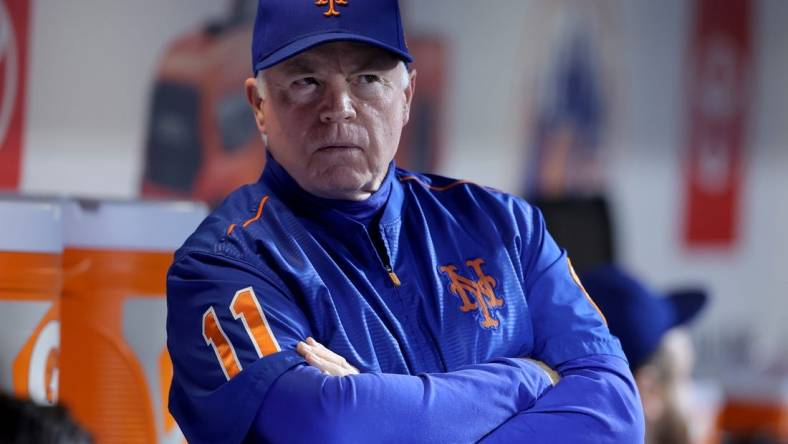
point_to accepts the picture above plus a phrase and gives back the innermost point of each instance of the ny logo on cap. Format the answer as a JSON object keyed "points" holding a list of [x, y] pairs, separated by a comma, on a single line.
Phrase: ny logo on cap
{"points": [[331, 11]]}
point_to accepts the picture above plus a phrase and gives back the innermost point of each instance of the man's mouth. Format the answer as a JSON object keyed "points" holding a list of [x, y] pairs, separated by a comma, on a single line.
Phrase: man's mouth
{"points": [[338, 147]]}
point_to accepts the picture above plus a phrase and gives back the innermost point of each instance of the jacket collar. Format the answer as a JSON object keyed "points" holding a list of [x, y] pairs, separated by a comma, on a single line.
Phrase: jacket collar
{"points": [[388, 198]]}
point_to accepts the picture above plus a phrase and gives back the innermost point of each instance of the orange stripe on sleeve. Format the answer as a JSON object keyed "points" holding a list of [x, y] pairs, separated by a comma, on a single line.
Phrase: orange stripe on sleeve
{"points": [[259, 213], [257, 216], [580, 284]]}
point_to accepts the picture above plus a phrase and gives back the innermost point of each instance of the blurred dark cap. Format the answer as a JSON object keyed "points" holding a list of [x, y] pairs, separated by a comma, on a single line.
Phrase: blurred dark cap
{"points": [[636, 314]]}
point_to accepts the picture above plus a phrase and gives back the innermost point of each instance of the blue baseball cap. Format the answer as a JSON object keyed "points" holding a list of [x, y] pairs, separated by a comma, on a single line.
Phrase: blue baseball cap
{"points": [[285, 28], [638, 316]]}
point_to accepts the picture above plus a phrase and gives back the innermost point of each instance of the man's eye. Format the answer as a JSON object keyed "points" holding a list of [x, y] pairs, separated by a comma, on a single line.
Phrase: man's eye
{"points": [[306, 81], [368, 78]]}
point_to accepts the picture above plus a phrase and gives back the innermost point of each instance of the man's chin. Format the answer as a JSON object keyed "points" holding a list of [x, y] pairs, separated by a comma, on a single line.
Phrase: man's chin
{"points": [[345, 185]]}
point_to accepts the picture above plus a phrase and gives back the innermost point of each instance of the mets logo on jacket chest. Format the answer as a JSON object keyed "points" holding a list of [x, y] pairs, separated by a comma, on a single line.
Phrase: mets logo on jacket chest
{"points": [[475, 295]]}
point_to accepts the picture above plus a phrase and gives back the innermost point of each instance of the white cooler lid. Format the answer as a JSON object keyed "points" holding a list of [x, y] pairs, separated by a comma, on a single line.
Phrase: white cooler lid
{"points": [[130, 225], [33, 226]]}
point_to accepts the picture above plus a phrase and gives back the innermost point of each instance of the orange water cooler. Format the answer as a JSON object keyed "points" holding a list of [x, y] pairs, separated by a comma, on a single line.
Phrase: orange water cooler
{"points": [[755, 410], [115, 369], [30, 280]]}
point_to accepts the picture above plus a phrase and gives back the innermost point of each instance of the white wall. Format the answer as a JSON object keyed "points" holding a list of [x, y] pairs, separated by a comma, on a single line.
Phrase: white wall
{"points": [[89, 89], [484, 125]]}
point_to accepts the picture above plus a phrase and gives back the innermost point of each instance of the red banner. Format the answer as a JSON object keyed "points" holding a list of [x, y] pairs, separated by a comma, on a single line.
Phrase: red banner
{"points": [[14, 23], [719, 94]]}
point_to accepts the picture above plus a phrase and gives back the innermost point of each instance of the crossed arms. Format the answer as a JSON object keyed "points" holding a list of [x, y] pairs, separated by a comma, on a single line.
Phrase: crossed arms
{"points": [[508, 400], [500, 401]]}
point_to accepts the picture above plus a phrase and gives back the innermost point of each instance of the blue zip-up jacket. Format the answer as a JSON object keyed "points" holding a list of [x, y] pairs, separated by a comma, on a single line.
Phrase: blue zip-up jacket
{"points": [[434, 293]]}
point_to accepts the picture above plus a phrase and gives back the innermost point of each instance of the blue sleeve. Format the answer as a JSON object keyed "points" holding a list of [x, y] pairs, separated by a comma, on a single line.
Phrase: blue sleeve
{"points": [[305, 406], [567, 323], [596, 402], [217, 390]]}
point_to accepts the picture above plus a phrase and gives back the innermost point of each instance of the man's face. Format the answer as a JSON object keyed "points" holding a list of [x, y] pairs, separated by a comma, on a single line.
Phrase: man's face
{"points": [[333, 116]]}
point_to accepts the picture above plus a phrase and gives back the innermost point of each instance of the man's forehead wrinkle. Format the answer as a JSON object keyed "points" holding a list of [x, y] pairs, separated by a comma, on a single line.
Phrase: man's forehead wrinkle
{"points": [[343, 57], [379, 63], [302, 64], [359, 57]]}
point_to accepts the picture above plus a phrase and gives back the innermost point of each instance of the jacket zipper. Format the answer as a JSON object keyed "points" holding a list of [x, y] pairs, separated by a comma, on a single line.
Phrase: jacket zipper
{"points": [[392, 275]]}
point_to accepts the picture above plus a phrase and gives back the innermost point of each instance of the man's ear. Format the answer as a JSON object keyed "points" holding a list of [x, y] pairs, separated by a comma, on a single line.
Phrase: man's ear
{"points": [[409, 90], [256, 102]]}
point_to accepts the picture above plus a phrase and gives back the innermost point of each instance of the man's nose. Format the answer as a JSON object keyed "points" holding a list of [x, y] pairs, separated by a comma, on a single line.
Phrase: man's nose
{"points": [[338, 106]]}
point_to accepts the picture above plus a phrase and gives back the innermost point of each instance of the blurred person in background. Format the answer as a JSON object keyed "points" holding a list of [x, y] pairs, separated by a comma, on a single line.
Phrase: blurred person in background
{"points": [[24, 422], [659, 349]]}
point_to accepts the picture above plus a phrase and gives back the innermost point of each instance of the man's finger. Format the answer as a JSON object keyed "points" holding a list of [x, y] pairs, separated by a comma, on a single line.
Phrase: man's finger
{"points": [[318, 349], [324, 353], [552, 374], [311, 357], [303, 349], [324, 366], [324, 359]]}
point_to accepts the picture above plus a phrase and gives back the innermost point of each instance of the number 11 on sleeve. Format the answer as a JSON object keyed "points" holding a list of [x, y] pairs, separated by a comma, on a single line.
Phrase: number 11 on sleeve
{"points": [[245, 307]]}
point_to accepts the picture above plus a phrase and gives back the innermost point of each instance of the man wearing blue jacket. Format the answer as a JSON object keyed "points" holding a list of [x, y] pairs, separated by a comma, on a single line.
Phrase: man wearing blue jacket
{"points": [[343, 299]]}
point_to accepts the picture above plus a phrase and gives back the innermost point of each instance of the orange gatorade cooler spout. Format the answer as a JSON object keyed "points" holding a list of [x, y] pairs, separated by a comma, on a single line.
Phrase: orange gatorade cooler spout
{"points": [[30, 281], [115, 371]]}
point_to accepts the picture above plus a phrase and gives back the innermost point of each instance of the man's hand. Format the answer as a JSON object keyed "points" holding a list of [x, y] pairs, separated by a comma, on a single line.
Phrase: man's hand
{"points": [[324, 359], [554, 376]]}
